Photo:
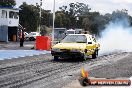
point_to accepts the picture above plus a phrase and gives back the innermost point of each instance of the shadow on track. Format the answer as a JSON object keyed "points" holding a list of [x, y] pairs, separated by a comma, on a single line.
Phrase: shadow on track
{"points": [[71, 60]]}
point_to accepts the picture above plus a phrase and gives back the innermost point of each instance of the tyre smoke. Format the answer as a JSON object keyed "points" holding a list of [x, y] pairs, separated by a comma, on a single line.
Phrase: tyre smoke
{"points": [[117, 36]]}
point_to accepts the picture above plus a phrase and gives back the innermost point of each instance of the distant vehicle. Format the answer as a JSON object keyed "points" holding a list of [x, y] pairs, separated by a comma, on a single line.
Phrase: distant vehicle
{"points": [[76, 45], [73, 31], [26, 33], [26, 36], [32, 36], [70, 31]]}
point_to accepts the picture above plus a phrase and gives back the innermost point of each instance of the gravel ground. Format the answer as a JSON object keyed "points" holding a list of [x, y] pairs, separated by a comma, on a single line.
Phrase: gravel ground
{"points": [[41, 71], [16, 46], [117, 67]]}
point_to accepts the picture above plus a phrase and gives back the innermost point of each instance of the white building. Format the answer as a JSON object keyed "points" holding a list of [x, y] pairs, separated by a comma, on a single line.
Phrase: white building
{"points": [[9, 22]]}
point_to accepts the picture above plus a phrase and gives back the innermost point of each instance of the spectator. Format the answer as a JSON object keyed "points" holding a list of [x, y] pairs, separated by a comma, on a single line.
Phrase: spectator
{"points": [[22, 37]]}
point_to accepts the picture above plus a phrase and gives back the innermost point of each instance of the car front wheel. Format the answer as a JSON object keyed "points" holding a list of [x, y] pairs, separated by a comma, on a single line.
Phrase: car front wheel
{"points": [[95, 54], [56, 58], [84, 57]]}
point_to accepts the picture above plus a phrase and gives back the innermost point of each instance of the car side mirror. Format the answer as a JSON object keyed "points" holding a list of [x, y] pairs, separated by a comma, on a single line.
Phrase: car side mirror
{"points": [[89, 42]]}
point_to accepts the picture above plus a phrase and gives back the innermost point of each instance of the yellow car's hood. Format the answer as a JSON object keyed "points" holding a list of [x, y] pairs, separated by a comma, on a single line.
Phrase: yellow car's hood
{"points": [[70, 46]]}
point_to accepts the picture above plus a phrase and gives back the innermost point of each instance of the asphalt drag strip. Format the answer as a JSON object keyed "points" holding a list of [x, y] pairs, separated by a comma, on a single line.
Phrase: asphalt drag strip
{"points": [[40, 71], [119, 67]]}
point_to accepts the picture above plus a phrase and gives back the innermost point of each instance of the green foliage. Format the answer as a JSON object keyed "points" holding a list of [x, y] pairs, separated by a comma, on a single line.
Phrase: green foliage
{"points": [[73, 17], [77, 16], [61, 20], [7, 3], [46, 18], [43, 30], [119, 14], [30, 18]]}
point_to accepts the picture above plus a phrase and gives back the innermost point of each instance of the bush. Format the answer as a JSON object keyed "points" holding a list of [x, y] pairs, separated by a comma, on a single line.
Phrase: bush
{"points": [[7, 3]]}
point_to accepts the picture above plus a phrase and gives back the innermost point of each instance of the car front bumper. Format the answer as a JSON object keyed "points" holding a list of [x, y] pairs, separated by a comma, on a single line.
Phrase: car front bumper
{"points": [[67, 54]]}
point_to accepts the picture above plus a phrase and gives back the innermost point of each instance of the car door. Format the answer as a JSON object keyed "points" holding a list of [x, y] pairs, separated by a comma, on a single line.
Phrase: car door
{"points": [[90, 46]]}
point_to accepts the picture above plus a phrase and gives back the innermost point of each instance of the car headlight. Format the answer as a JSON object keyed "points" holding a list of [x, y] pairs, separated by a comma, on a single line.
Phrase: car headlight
{"points": [[56, 49], [75, 50]]}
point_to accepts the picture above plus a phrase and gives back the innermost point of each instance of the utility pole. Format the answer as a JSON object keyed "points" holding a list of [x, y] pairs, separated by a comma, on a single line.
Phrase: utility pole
{"points": [[40, 15], [53, 23]]}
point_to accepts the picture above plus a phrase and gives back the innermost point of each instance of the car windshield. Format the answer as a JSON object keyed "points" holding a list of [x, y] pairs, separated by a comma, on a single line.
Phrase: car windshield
{"points": [[75, 38]]}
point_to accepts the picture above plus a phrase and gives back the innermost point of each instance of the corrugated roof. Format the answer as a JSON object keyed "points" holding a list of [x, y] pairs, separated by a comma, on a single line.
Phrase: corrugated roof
{"points": [[9, 7]]}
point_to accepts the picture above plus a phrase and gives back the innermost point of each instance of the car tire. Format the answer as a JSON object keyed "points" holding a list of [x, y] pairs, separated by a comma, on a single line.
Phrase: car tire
{"points": [[27, 39], [84, 57], [95, 54], [33, 39], [56, 58], [30, 39]]}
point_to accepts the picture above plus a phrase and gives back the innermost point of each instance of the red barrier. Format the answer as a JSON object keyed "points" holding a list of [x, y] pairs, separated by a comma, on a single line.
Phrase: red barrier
{"points": [[43, 43]]}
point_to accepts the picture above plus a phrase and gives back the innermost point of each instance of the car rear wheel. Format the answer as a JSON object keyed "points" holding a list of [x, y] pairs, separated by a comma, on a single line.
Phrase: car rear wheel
{"points": [[31, 39], [56, 58], [95, 54]]}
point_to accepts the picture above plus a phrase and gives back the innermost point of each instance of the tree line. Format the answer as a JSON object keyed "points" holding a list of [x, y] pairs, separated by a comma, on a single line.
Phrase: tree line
{"points": [[10, 3], [74, 15]]}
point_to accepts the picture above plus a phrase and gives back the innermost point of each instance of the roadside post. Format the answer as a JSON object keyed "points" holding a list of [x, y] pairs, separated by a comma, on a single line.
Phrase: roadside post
{"points": [[40, 16], [53, 23]]}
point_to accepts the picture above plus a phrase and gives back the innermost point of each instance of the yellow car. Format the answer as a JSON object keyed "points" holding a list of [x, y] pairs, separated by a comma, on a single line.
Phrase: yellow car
{"points": [[76, 46]]}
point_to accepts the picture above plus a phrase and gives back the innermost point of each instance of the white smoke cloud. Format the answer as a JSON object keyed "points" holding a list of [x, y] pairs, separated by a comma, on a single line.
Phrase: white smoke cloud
{"points": [[116, 37]]}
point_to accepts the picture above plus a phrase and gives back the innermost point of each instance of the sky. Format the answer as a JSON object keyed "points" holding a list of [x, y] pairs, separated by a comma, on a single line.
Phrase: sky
{"points": [[102, 6]]}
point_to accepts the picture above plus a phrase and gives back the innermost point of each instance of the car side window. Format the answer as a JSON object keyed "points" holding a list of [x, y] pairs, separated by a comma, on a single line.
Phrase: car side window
{"points": [[89, 39], [81, 39]]}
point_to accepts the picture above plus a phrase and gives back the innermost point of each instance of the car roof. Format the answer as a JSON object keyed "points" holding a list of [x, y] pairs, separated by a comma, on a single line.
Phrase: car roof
{"points": [[81, 34], [87, 35], [33, 33]]}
